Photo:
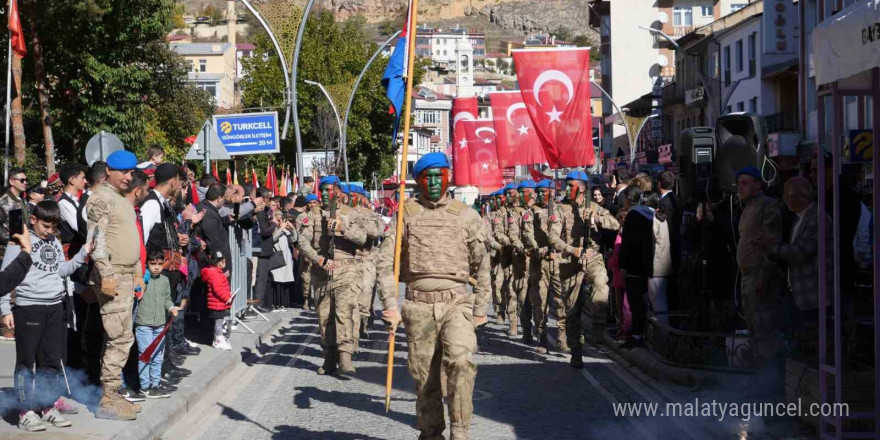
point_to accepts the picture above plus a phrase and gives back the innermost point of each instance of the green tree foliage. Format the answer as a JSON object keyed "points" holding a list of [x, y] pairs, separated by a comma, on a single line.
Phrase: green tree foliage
{"points": [[332, 54], [110, 69]]}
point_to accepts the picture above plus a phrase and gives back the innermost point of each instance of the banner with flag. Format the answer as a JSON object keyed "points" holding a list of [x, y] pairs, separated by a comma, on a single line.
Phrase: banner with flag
{"points": [[16, 34], [482, 154], [555, 86], [463, 109], [235, 176], [228, 176], [393, 79], [271, 180], [215, 173], [517, 141], [282, 190], [254, 180]]}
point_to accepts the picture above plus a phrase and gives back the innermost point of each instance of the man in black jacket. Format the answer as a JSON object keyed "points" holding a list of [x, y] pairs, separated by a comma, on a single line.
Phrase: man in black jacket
{"points": [[213, 226], [671, 205]]}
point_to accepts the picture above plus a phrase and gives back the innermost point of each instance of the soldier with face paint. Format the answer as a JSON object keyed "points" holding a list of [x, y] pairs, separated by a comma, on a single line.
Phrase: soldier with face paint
{"points": [[443, 249], [305, 220], [492, 220], [375, 228], [575, 233], [544, 269], [510, 200], [521, 260]]}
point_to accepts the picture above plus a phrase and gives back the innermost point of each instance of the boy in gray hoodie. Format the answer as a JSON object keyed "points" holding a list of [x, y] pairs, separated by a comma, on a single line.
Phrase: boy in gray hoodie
{"points": [[39, 321]]}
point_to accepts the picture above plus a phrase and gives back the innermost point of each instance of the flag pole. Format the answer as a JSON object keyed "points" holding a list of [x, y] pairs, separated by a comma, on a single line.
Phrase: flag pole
{"points": [[412, 29], [8, 105]]}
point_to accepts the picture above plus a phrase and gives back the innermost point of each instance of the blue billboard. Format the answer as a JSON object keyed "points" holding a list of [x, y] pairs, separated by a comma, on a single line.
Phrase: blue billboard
{"points": [[248, 133]]}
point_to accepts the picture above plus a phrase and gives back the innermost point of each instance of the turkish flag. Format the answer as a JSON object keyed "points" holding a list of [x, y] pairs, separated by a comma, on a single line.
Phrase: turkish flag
{"points": [[463, 109], [15, 31], [482, 154], [555, 87], [517, 141]]}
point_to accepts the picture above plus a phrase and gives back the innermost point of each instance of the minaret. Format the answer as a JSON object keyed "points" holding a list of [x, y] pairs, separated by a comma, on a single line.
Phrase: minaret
{"points": [[230, 21], [464, 68]]}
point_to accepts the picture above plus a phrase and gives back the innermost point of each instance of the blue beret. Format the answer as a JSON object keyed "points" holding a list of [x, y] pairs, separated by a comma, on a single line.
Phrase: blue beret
{"points": [[508, 187], [750, 171], [430, 160], [122, 160], [333, 180], [311, 198], [346, 188], [577, 175], [526, 184], [546, 183]]}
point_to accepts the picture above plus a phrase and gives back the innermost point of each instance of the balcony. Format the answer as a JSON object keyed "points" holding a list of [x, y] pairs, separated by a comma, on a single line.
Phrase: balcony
{"points": [[680, 31], [779, 122]]}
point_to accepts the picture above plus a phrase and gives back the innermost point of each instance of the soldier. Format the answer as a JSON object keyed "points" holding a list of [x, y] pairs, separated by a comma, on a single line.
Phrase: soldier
{"points": [[112, 226], [544, 269], [519, 281], [580, 256], [375, 227], [312, 213], [492, 220], [505, 268], [439, 313]]}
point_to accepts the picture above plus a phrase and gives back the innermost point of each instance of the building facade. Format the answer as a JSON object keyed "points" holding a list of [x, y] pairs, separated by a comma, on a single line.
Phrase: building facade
{"points": [[212, 67]]}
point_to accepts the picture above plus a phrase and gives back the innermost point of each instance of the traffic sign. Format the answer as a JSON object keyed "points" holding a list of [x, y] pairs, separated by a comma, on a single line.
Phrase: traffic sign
{"points": [[248, 133], [101, 145], [207, 146]]}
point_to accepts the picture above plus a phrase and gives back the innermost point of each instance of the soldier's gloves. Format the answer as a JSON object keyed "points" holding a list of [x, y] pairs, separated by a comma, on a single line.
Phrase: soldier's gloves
{"points": [[480, 321], [391, 318], [109, 285]]}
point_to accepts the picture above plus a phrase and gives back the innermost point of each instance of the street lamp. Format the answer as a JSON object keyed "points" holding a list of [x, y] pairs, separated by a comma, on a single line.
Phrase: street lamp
{"points": [[338, 123], [678, 49], [294, 103]]}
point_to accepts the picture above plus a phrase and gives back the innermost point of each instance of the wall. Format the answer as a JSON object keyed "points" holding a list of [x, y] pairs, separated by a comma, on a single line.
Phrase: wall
{"points": [[224, 63]]}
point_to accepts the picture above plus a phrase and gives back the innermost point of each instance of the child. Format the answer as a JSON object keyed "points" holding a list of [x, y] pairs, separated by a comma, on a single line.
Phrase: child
{"points": [[40, 323], [155, 157], [152, 312], [219, 297]]}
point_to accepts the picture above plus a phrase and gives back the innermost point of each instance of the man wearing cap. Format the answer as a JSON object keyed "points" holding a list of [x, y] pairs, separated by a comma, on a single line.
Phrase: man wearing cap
{"points": [[520, 277], [375, 228], [112, 226], [330, 243], [544, 270], [575, 233], [760, 226], [493, 219], [443, 249]]}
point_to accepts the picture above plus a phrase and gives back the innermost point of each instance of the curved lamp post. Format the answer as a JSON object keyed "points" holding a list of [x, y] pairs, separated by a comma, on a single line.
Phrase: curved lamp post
{"points": [[357, 84], [678, 49], [338, 124], [280, 52], [300, 170], [632, 139]]}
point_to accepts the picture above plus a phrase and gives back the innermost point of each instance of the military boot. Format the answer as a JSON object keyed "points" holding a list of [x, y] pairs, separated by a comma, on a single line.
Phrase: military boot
{"points": [[346, 366], [513, 326], [363, 331], [597, 336], [528, 338], [459, 433], [110, 407], [542, 344], [562, 343], [329, 367], [577, 358]]}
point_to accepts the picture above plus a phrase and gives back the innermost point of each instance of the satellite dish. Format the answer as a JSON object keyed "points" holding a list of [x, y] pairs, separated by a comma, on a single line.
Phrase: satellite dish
{"points": [[662, 61], [101, 145], [663, 17]]}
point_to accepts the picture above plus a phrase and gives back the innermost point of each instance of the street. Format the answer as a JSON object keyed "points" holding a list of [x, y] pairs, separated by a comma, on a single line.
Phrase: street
{"points": [[277, 394]]}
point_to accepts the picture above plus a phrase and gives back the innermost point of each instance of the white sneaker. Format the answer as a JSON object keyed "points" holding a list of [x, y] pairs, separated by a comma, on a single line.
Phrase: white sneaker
{"points": [[226, 344], [31, 422], [54, 418], [191, 343], [220, 343]]}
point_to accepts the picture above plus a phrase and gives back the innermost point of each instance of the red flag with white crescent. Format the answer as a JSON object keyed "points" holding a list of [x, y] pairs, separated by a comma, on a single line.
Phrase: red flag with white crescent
{"points": [[482, 154], [517, 141], [555, 87], [463, 109], [15, 30]]}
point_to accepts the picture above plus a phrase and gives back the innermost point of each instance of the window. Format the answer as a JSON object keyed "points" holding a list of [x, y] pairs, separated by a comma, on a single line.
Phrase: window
{"points": [[682, 16], [753, 62], [728, 110], [706, 11], [211, 88], [753, 105], [726, 65], [444, 52], [739, 56], [712, 67], [741, 106], [203, 65], [737, 6], [189, 65]]}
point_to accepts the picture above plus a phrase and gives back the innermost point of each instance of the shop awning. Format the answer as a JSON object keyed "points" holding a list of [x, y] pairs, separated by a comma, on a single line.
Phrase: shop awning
{"points": [[848, 43]]}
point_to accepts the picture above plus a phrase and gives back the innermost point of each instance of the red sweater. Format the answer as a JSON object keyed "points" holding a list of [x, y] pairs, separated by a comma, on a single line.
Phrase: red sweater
{"points": [[218, 288]]}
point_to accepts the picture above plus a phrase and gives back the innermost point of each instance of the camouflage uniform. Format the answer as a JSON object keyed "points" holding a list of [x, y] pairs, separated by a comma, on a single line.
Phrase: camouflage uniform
{"points": [[493, 221], [374, 227], [8, 202], [505, 259], [519, 287], [567, 227], [438, 313], [314, 245], [544, 270]]}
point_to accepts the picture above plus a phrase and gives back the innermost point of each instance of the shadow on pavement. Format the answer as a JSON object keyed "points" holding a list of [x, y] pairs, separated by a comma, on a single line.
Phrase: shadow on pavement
{"points": [[287, 432]]}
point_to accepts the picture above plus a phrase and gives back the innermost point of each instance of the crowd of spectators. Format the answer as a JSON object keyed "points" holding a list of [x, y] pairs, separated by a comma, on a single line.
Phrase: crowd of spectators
{"points": [[104, 266]]}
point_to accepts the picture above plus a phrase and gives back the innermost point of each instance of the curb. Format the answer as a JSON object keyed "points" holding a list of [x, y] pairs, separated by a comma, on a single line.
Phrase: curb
{"points": [[153, 422], [644, 360]]}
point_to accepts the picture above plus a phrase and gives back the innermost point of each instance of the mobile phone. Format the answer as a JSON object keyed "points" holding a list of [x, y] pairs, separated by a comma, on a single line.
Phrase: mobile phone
{"points": [[16, 222]]}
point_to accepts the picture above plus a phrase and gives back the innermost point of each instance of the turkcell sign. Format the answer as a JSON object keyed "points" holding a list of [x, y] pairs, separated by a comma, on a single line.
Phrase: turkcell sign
{"points": [[248, 133]]}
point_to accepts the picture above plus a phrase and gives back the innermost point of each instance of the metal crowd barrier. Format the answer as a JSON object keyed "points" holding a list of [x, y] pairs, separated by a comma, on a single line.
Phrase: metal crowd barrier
{"points": [[241, 250]]}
